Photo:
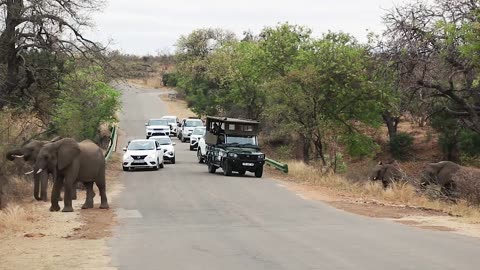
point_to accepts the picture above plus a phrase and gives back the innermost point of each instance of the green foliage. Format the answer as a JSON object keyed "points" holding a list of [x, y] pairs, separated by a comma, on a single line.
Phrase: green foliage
{"points": [[85, 102], [401, 145], [359, 145], [170, 79], [469, 143]]}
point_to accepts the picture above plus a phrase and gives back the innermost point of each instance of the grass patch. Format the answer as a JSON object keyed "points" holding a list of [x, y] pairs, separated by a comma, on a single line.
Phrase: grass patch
{"points": [[398, 193]]}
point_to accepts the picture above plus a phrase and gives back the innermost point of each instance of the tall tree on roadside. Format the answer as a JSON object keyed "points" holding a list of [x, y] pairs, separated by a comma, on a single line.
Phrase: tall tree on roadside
{"points": [[53, 27]]}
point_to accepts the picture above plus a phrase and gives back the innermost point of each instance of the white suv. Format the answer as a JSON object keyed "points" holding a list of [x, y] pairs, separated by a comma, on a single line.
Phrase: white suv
{"points": [[173, 121], [168, 146], [197, 133], [187, 127], [143, 154], [157, 127]]}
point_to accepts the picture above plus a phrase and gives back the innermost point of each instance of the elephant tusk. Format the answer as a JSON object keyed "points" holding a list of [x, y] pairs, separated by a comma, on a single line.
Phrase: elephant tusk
{"points": [[30, 172], [39, 171], [18, 156]]}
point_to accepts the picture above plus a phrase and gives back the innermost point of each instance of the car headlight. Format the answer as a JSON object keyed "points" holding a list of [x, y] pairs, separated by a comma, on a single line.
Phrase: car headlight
{"points": [[262, 156], [127, 157], [152, 156], [170, 152], [232, 155]]}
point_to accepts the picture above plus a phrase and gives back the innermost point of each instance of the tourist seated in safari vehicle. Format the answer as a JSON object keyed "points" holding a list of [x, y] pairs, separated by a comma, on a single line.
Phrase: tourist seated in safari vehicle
{"points": [[232, 145]]}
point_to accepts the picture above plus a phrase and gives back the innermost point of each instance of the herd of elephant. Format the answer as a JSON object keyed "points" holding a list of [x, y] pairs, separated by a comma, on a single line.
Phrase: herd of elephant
{"points": [[68, 162], [441, 173]]}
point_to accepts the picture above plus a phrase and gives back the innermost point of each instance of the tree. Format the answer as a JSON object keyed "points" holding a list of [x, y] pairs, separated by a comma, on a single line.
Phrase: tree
{"points": [[435, 45], [29, 27]]}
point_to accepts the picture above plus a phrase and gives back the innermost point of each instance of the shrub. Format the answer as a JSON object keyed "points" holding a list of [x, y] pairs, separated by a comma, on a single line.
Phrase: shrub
{"points": [[169, 79], [468, 185], [401, 145], [359, 145]]}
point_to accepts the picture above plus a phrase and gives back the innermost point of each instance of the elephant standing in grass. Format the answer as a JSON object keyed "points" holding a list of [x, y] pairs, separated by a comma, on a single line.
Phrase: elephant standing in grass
{"points": [[29, 152], [440, 173], [386, 172], [83, 162]]}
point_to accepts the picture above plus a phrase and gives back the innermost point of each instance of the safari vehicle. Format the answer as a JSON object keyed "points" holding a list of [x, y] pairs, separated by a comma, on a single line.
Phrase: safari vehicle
{"points": [[232, 145]]}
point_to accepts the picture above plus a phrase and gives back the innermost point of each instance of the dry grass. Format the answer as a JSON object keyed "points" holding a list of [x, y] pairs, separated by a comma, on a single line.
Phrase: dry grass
{"points": [[148, 82], [15, 218], [397, 193]]}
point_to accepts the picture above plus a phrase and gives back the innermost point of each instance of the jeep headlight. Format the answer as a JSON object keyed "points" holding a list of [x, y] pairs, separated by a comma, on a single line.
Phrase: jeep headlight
{"points": [[233, 155], [262, 156]]}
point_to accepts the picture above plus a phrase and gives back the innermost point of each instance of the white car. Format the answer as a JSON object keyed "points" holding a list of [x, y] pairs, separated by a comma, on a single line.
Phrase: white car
{"points": [[197, 133], [187, 127], [201, 150], [168, 146], [173, 121], [157, 127], [143, 154]]}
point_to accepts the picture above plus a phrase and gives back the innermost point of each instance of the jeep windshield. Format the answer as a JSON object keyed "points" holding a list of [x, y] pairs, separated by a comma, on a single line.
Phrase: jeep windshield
{"points": [[235, 140], [161, 122]]}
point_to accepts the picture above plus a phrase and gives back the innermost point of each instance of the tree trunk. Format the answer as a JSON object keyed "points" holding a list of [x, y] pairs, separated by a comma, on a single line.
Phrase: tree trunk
{"points": [[305, 148], [391, 122]]}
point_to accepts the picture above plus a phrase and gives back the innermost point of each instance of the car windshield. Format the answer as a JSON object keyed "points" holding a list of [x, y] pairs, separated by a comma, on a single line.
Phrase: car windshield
{"points": [[163, 140], [141, 145], [170, 120], [199, 131], [193, 123], [161, 122], [250, 140]]}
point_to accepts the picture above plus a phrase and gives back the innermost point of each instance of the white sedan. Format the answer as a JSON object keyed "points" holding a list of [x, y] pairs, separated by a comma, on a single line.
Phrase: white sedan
{"points": [[143, 154], [167, 145]]}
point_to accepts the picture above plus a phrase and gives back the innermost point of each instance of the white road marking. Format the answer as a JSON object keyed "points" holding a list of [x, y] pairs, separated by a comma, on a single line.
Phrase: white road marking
{"points": [[124, 213]]}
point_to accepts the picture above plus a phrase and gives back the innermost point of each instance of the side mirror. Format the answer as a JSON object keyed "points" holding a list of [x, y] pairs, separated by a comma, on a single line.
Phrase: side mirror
{"points": [[124, 149], [159, 148], [174, 143]]}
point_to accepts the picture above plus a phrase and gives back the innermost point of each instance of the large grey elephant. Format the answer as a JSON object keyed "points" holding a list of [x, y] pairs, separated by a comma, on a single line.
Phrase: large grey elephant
{"points": [[29, 152], [83, 162], [387, 172], [441, 173]]}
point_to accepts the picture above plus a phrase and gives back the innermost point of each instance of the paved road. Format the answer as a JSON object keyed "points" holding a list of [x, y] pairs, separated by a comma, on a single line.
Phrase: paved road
{"points": [[181, 217]]}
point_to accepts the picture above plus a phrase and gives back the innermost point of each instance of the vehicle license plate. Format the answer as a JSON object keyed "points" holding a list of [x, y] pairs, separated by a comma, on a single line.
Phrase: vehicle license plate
{"points": [[138, 161], [248, 164]]}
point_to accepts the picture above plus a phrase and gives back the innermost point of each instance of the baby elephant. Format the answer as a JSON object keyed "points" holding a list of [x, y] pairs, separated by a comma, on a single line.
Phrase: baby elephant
{"points": [[386, 172]]}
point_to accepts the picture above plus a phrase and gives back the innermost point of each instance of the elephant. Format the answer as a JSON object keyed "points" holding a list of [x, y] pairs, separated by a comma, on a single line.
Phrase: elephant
{"points": [[74, 161], [29, 152], [386, 172], [440, 173]]}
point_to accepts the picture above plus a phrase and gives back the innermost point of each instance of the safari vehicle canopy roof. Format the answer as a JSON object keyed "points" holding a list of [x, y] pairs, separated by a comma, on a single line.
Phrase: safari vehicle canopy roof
{"points": [[233, 126]]}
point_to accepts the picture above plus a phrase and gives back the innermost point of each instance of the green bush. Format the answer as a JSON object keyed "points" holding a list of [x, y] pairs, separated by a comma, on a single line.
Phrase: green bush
{"points": [[169, 79], [469, 143], [84, 104], [359, 145], [401, 145]]}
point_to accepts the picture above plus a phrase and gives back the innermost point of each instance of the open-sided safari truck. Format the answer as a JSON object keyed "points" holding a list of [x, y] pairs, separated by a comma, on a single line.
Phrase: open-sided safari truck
{"points": [[232, 144]]}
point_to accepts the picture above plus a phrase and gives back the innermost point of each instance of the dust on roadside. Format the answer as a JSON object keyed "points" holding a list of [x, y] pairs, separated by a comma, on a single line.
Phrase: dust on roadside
{"points": [[56, 240]]}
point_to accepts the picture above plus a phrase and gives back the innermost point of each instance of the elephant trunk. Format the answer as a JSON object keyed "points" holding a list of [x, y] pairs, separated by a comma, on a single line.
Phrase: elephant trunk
{"points": [[40, 185]]}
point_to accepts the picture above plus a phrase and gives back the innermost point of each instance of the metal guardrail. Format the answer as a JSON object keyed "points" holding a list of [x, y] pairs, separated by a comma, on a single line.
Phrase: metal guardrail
{"points": [[277, 165], [113, 143]]}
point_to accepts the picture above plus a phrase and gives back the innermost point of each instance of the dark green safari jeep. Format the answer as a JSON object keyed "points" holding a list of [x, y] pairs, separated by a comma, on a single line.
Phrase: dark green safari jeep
{"points": [[232, 145]]}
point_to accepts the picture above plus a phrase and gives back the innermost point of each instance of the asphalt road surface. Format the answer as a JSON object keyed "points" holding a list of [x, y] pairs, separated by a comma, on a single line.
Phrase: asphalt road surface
{"points": [[182, 217]]}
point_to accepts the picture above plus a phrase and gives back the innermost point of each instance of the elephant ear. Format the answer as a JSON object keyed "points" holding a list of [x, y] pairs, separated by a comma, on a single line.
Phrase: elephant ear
{"points": [[68, 150]]}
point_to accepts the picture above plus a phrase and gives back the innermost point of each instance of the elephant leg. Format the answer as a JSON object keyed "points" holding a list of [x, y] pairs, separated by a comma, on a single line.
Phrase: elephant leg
{"points": [[57, 186], [74, 190], [90, 194], [103, 194], [68, 184]]}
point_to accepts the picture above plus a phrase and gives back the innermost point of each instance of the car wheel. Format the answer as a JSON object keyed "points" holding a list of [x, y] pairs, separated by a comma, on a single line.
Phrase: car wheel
{"points": [[211, 168], [192, 148], [173, 160], [161, 165], [199, 156], [227, 171], [241, 172], [125, 169], [259, 172]]}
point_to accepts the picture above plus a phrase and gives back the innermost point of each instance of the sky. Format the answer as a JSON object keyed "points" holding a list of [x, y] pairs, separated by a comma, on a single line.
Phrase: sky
{"points": [[144, 27]]}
